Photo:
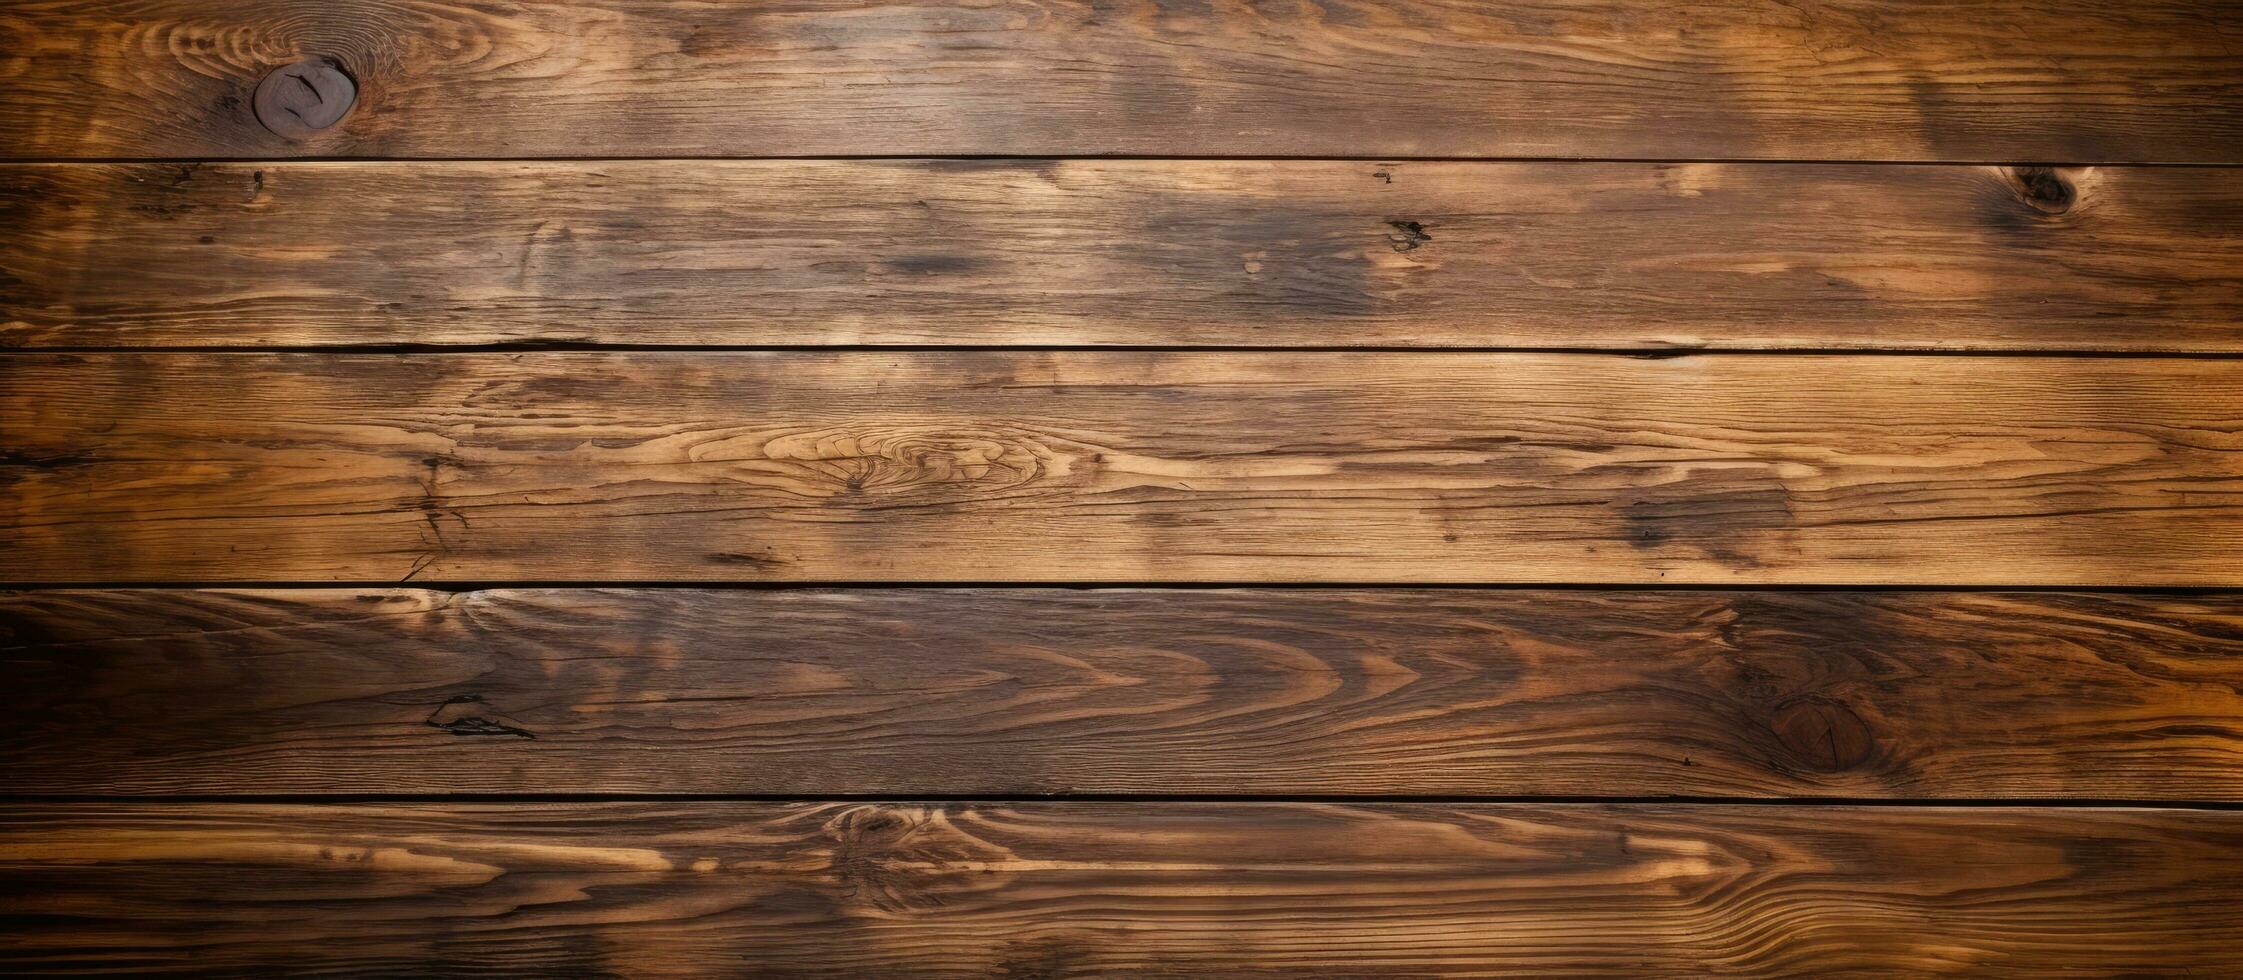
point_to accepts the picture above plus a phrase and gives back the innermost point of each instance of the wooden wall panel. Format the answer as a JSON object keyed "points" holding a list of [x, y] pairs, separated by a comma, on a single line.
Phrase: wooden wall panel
{"points": [[840, 264], [1076, 252], [2082, 81], [999, 692], [1052, 889], [1123, 467]]}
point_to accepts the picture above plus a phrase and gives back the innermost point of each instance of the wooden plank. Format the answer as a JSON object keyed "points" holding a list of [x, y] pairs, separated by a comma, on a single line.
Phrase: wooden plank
{"points": [[1007, 692], [1146, 253], [2050, 80], [1057, 889], [1123, 467]]}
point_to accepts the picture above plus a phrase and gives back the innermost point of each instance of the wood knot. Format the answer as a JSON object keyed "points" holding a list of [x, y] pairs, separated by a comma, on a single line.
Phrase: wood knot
{"points": [[299, 100], [907, 859], [1734, 517], [904, 459], [1825, 734], [1407, 235], [2044, 189], [468, 715]]}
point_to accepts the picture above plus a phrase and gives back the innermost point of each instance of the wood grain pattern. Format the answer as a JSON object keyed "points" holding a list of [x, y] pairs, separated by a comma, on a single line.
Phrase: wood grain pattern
{"points": [[2084, 81], [1120, 889], [264, 774], [1141, 253], [1123, 467], [1032, 692]]}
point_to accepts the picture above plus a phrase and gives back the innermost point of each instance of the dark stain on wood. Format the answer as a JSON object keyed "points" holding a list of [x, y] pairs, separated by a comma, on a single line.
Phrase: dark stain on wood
{"points": [[44, 461], [1727, 517], [1407, 235], [1034, 691], [748, 558]]}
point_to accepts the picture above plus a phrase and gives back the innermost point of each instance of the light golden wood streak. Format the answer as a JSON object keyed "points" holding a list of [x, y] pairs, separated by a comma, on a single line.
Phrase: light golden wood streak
{"points": [[2084, 81], [1057, 889], [1123, 467]]}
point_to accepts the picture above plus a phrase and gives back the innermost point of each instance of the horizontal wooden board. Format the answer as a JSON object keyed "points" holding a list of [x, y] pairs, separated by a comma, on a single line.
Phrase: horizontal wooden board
{"points": [[1122, 467], [1053, 889], [1144, 253], [1011, 692], [2050, 80]]}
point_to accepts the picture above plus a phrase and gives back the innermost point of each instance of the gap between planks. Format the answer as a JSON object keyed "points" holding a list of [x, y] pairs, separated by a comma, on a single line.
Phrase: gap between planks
{"points": [[1119, 158], [1647, 353], [801, 585], [1180, 799]]}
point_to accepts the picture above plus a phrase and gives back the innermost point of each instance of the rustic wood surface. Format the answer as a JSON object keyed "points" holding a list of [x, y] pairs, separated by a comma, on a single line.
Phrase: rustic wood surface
{"points": [[804, 293], [2083, 81], [1057, 889], [1255, 253], [1123, 467], [1030, 692]]}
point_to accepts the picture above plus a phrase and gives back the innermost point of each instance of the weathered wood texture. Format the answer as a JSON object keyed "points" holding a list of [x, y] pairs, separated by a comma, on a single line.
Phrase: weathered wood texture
{"points": [[1257, 253], [1004, 692], [2050, 80], [1122, 467], [1056, 889]]}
